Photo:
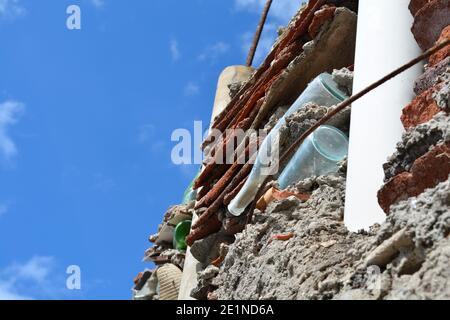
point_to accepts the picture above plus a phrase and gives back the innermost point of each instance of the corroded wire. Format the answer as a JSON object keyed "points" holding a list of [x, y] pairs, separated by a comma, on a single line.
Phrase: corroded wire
{"points": [[258, 33]]}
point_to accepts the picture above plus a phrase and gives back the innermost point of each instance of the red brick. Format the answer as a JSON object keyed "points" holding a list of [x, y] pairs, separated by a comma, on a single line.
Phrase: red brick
{"points": [[426, 172], [274, 194], [444, 53], [416, 5], [422, 109], [430, 21]]}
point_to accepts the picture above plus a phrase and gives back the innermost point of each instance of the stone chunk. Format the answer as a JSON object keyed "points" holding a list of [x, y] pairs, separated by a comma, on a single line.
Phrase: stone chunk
{"points": [[384, 253], [208, 249], [432, 76], [204, 285], [430, 21]]}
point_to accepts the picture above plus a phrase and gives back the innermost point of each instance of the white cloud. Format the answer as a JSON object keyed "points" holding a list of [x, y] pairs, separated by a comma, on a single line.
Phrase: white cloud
{"points": [[7, 293], [11, 9], [36, 269], [32, 275], [174, 50], [191, 89], [213, 52], [9, 113]]}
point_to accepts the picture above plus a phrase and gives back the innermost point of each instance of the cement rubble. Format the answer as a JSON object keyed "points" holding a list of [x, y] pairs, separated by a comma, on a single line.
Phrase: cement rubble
{"points": [[405, 258], [344, 79]]}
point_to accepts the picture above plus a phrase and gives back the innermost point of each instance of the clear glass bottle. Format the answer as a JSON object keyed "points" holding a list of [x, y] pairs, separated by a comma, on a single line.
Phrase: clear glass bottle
{"points": [[318, 155], [322, 91]]}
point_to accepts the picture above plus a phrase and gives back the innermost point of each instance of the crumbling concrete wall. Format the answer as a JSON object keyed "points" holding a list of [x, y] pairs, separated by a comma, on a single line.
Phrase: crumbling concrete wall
{"points": [[259, 267], [405, 258]]}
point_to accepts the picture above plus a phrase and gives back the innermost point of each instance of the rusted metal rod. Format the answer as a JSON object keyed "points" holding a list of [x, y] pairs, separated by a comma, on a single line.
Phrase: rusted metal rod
{"points": [[259, 30]]}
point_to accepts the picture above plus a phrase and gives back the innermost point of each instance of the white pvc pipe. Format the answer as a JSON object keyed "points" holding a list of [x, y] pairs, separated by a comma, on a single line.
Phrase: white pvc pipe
{"points": [[230, 75], [384, 42]]}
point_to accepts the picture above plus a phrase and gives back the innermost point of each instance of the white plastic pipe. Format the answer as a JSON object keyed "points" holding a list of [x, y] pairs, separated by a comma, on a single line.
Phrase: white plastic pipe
{"points": [[384, 42], [230, 75]]}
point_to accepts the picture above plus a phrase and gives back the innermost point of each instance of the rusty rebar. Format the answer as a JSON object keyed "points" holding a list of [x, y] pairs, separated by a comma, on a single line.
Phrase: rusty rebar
{"points": [[259, 30]]}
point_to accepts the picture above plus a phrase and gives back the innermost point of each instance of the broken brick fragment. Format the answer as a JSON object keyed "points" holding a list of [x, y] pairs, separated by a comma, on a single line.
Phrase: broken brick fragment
{"points": [[430, 21], [217, 262], [443, 53], [325, 14], [141, 279], [422, 109], [426, 172], [283, 237], [274, 194], [138, 278]]}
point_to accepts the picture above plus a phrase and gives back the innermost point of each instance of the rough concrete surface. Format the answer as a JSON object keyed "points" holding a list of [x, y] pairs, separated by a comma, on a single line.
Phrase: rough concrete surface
{"points": [[405, 258], [258, 268]]}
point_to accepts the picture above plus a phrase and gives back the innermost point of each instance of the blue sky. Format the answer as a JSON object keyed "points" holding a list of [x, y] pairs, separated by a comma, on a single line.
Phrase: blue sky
{"points": [[86, 118]]}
